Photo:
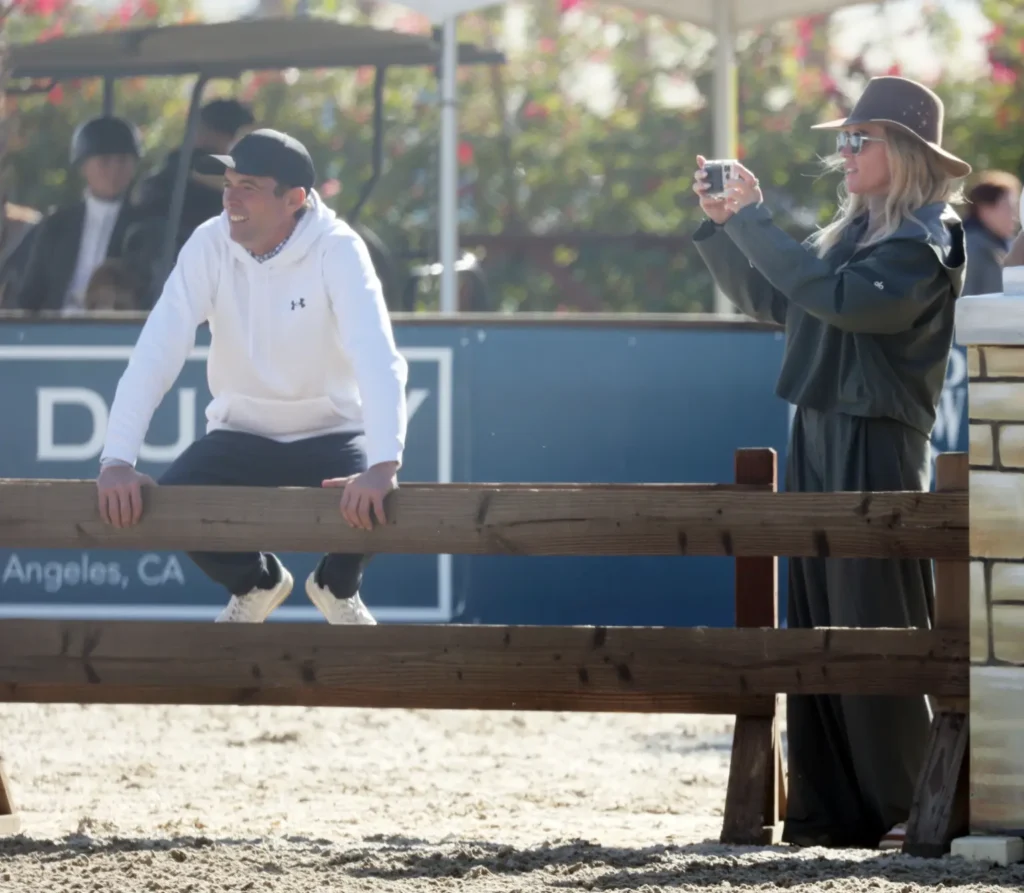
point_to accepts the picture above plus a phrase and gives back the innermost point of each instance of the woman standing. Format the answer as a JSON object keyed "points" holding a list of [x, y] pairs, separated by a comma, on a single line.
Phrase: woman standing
{"points": [[868, 307]]}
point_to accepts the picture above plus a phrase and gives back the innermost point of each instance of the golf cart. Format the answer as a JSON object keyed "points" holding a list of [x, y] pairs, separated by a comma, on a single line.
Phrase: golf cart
{"points": [[226, 50]]}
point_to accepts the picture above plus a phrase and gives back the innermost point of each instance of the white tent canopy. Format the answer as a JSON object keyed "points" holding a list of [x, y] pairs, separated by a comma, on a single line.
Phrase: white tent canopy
{"points": [[725, 17], [743, 13]]}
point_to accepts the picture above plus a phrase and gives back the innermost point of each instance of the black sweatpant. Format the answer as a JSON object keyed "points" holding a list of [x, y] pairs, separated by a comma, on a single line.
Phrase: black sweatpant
{"points": [[853, 761], [229, 458]]}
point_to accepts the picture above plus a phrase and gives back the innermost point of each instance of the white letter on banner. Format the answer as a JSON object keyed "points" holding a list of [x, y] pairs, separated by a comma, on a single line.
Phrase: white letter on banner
{"points": [[47, 399]]}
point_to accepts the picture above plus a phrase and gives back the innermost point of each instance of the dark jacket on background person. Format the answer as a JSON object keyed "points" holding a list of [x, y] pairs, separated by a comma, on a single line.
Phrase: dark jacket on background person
{"points": [[19, 229], [201, 203], [985, 254], [868, 331], [54, 254]]}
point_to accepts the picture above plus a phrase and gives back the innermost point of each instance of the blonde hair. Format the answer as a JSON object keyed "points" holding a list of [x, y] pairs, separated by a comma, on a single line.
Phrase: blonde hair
{"points": [[916, 179]]}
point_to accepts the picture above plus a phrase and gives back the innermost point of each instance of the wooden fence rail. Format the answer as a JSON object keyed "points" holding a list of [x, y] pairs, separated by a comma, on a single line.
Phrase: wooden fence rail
{"points": [[740, 671], [497, 519]]}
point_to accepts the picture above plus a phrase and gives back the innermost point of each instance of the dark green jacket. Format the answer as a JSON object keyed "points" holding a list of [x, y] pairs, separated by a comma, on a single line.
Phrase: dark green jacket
{"points": [[868, 331]]}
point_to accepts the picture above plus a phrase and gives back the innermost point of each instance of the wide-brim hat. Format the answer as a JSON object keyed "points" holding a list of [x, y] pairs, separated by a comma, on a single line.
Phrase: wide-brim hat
{"points": [[907, 106]]}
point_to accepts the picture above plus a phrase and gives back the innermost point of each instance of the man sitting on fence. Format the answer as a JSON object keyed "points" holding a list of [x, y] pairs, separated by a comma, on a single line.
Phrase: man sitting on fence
{"points": [[302, 358]]}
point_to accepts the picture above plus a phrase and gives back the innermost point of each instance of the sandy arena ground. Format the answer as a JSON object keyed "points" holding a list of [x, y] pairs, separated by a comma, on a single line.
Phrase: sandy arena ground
{"points": [[190, 800]]}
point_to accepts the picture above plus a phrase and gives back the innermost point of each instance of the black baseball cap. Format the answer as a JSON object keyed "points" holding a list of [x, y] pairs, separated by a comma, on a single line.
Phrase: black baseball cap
{"points": [[266, 153]]}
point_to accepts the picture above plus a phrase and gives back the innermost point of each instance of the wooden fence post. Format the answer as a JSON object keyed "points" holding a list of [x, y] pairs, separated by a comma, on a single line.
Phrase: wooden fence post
{"points": [[755, 800], [940, 809], [10, 823]]}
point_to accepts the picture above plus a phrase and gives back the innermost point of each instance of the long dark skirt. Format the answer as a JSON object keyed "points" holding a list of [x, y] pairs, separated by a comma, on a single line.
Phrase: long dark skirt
{"points": [[853, 761]]}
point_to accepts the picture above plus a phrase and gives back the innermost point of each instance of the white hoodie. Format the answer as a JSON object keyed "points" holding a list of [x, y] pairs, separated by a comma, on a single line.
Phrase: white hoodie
{"points": [[301, 344]]}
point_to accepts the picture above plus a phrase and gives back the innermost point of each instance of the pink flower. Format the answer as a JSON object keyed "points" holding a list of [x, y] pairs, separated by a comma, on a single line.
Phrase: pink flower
{"points": [[56, 30], [1002, 74], [995, 34]]}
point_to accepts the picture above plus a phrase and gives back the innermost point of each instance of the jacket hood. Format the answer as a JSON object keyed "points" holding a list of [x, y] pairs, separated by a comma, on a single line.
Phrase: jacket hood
{"points": [[318, 221], [939, 226]]}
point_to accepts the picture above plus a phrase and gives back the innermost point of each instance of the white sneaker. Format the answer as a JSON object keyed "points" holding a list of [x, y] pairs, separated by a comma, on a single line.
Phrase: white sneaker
{"points": [[338, 610], [257, 605]]}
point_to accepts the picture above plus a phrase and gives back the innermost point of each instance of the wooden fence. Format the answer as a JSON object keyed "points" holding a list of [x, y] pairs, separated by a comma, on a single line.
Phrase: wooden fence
{"points": [[740, 671]]}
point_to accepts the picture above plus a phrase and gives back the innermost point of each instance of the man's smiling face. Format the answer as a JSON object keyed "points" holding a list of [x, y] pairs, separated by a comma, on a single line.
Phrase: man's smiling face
{"points": [[260, 213]]}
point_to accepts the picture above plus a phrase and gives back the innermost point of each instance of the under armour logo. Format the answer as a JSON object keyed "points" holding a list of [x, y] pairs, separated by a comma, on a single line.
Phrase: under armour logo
{"points": [[301, 302], [880, 285]]}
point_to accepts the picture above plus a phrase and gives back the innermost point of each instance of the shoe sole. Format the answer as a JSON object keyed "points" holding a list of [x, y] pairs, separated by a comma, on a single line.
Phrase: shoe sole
{"points": [[312, 596], [284, 594], [280, 600]]}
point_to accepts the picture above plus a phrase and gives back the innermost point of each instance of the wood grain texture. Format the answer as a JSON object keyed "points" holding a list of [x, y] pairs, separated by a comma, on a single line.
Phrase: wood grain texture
{"points": [[484, 667], [752, 794], [953, 577], [940, 808], [500, 519], [757, 577], [750, 770], [10, 821], [6, 797]]}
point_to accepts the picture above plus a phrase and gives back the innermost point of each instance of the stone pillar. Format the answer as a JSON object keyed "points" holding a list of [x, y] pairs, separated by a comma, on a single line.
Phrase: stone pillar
{"points": [[992, 329]]}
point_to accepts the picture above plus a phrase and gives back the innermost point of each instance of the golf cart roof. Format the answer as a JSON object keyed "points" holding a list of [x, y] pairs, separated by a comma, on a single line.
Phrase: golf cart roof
{"points": [[226, 49]]}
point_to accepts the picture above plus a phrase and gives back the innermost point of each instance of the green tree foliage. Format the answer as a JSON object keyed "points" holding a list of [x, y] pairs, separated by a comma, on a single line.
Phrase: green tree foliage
{"points": [[592, 128]]}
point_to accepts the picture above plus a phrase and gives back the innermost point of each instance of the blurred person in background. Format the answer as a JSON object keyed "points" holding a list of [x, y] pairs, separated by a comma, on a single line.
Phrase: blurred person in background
{"points": [[868, 306], [1015, 257], [221, 123], [17, 225], [990, 222], [72, 242]]}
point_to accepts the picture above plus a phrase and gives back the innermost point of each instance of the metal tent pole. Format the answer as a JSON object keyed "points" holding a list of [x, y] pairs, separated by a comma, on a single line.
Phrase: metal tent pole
{"points": [[449, 170], [726, 102]]}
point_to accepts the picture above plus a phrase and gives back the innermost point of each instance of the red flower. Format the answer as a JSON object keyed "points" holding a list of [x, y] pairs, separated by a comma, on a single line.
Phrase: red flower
{"points": [[1003, 74], [56, 95], [534, 110], [995, 34], [41, 7], [566, 5], [465, 153]]}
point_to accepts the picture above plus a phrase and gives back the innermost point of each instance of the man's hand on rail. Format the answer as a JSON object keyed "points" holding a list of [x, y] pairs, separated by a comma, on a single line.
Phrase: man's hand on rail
{"points": [[366, 491], [120, 494]]}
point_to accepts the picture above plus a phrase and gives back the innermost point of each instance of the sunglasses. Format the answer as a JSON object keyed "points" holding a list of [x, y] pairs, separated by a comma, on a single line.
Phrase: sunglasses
{"points": [[854, 141]]}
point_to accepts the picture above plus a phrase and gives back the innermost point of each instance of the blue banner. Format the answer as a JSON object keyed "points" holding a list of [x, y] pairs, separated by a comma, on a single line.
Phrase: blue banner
{"points": [[493, 402]]}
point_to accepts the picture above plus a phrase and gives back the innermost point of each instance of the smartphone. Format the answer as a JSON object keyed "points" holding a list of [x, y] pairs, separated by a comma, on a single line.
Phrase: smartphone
{"points": [[717, 173]]}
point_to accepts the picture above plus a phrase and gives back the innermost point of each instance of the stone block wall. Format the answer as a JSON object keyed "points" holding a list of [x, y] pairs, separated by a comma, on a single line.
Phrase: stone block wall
{"points": [[992, 328]]}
